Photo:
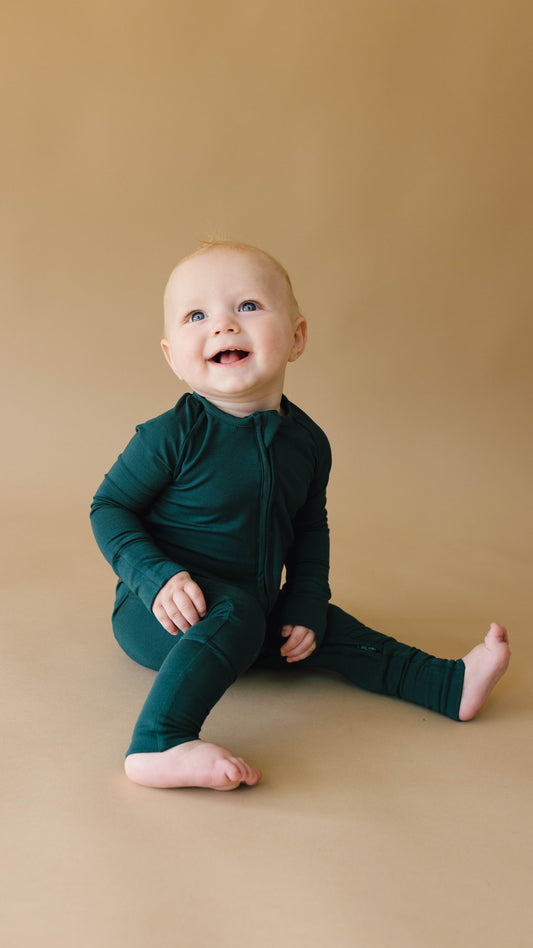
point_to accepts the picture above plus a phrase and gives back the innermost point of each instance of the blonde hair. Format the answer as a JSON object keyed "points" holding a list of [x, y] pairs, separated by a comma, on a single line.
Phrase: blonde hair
{"points": [[214, 243]]}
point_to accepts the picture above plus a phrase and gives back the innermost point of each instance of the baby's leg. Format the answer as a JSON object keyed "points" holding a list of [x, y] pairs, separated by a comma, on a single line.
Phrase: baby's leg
{"points": [[378, 663], [198, 668]]}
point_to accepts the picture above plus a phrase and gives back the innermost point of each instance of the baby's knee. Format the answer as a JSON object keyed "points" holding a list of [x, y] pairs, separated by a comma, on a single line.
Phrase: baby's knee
{"points": [[244, 602], [235, 621], [245, 612]]}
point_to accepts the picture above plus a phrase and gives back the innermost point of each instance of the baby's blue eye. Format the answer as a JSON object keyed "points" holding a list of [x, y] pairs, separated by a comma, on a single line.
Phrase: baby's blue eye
{"points": [[196, 316], [249, 306]]}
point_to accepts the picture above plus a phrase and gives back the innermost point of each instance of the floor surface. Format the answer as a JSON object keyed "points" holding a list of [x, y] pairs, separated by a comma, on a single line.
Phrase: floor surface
{"points": [[377, 823]]}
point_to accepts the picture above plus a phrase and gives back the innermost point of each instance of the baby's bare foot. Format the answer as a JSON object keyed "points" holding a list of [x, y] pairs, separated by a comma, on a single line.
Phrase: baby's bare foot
{"points": [[194, 764], [484, 666]]}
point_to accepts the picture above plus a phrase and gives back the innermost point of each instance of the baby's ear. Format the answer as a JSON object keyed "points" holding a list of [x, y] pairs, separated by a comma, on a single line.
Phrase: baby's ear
{"points": [[165, 345], [166, 352], [300, 339]]}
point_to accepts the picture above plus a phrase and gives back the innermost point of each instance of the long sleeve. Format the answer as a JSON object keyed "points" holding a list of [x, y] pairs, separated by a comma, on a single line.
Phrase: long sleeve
{"points": [[138, 477], [306, 592]]}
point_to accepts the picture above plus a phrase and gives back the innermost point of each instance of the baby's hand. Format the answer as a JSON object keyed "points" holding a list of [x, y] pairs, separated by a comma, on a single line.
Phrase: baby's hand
{"points": [[180, 604], [300, 642]]}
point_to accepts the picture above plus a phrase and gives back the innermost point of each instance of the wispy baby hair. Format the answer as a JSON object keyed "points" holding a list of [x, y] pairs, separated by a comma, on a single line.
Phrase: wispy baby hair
{"points": [[214, 243]]}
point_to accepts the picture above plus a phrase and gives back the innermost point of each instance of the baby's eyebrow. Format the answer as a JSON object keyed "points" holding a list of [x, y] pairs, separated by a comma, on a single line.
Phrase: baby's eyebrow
{"points": [[190, 305]]}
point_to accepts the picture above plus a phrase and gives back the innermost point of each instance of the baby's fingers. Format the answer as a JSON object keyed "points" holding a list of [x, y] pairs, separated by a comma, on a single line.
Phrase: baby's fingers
{"points": [[196, 597], [300, 643], [164, 619], [304, 650], [295, 635], [179, 604], [182, 610]]}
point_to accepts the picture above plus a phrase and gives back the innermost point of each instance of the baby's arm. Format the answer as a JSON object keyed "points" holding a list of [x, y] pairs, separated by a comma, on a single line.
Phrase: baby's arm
{"points": [[306, 592], [139, 477], [180, 604], [300, 642]]}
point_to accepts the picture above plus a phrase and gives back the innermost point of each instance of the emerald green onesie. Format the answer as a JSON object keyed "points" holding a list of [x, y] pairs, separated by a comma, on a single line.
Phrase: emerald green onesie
{"points": [[234, 501]]}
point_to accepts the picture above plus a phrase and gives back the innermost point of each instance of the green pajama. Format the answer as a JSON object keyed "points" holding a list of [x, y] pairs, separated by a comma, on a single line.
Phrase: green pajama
{"points": [[232, 501]]}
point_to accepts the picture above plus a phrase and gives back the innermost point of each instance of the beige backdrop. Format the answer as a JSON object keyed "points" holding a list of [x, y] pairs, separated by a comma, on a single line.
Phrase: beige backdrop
{"points": [[382, 150]]}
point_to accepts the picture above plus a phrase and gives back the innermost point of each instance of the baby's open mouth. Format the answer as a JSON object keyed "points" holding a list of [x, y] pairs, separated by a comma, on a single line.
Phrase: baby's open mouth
{"points": [[229, 356]]}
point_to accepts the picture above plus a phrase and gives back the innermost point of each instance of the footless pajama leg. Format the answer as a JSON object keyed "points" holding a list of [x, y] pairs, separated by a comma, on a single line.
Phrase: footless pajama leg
{"points": [[379, 663], [195, 668]]}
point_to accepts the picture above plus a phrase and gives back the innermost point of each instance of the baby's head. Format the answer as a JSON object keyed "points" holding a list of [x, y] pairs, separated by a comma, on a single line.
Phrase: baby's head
{"points": [[211, 245], [232, 323]]}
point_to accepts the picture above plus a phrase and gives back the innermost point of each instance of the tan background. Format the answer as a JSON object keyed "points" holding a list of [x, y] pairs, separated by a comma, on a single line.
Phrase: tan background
{"points": [[382, 150]]}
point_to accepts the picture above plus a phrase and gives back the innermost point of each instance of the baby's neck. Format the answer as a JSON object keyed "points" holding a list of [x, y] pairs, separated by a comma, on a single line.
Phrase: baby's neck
{"points": [[242, 409]]}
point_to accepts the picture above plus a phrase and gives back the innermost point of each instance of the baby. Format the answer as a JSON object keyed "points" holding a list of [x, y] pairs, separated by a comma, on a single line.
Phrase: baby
{"points": [[206, 506]]}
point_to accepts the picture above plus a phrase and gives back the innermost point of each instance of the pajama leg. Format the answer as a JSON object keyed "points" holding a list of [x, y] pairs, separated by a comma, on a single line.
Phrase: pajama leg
{"points": [[378, 663], [381, 664], [196, 668]]}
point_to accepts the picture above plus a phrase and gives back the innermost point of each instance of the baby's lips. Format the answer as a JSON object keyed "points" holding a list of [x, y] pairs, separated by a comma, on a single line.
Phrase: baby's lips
{"points": [[229, 356]]}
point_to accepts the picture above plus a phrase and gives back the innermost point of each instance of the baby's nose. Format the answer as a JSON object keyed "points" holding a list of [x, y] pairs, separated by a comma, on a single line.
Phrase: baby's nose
{"points": [[225, 323]]}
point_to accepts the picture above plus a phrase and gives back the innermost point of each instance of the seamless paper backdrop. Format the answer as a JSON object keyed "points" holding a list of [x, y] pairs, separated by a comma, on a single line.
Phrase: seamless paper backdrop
{"points": [[383, 152]]}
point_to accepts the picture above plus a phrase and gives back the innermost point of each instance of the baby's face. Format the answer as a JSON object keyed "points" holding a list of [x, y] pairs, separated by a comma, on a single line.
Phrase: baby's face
{"points": [[231, 328]]}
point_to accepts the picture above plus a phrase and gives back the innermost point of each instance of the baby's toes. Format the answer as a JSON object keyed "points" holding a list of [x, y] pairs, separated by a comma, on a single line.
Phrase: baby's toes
{"points": [[497, 633], [233, 772], [248, 774]]}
